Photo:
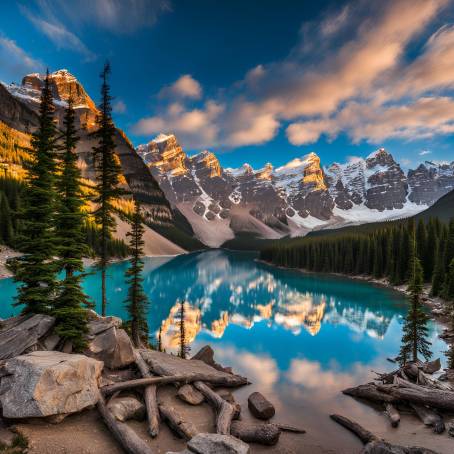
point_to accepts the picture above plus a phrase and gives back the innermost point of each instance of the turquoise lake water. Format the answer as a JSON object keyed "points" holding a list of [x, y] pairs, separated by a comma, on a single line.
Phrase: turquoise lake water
{"points": [[300, 338]]}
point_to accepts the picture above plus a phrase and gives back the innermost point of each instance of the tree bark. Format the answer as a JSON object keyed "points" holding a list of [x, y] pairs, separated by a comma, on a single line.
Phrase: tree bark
{"points": [[363, 434], [182, 428], [429, 418], [190, 378], [150, 398], [368, 391], [443, 400], [393, 414], [262, 433], [129, 440], [225, 411]]}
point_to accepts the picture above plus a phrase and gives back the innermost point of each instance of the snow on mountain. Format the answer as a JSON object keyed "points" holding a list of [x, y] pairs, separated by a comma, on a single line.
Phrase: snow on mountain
{"points": [[292, 199]]}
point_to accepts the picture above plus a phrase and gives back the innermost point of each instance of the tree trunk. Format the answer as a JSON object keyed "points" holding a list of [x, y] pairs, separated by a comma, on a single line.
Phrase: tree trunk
{"points": [[429, 418], [225, 411], [369, 392], [363, 434], [150, 398], [182, 428], [393, 414], [262, 433], [129, 440]]}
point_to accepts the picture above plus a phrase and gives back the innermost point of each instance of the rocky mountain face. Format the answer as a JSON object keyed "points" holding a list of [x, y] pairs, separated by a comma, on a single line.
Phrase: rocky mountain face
{"points": [[19, 105], [289, 200]]}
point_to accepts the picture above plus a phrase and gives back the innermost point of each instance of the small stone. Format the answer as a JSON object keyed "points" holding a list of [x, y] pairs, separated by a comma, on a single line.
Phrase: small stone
{"points": [[125, 408], [189, 394], [260, 407], [217, 444]]}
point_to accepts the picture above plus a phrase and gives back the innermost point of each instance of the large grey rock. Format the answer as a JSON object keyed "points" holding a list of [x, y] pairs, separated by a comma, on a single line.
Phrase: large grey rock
{"points": [[125, 408], [22, 333], [217, 444], [113, 347], [260, 407], [46, 383]]}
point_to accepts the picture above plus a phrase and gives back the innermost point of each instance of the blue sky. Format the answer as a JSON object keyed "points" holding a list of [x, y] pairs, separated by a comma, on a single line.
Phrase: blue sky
{"points": [[255, 81]]}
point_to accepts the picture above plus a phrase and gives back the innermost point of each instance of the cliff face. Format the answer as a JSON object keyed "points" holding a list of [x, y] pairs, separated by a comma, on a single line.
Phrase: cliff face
{"points": [[292, 199], [18, 110]]}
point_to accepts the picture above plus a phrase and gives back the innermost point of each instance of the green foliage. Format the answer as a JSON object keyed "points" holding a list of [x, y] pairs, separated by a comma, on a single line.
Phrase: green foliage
{"points": [[137, 301], [107, 176], [70, 306], [36, 269], [184, 347]]}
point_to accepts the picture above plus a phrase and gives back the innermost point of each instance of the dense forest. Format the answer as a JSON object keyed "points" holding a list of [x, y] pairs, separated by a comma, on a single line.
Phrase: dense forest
{"points": [[381, 253]]}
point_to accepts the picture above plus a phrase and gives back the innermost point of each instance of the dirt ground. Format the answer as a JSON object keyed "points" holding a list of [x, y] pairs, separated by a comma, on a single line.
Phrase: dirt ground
{"points": [[85, 433]]}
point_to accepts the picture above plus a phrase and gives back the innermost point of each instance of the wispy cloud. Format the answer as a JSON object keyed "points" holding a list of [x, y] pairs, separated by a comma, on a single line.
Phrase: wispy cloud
{"points": [[57, 33], [355, 87], [424, 152], [16, 61], [119, 106]]}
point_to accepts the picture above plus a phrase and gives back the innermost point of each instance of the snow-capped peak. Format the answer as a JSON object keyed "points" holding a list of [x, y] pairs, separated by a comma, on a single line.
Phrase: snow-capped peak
{"points": [[162, 138]]}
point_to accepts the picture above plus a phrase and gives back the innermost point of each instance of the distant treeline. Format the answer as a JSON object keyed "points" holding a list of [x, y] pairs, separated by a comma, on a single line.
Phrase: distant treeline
{"points": [[383, 253], [11, 232]]}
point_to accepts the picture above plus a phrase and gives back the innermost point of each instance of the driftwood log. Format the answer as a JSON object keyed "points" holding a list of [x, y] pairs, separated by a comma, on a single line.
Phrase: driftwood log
{"points": [[182, 428], [363, 434], [189, 378], [225, 411], [129, 440], [150, 398], [369, 391], [393, 414], [262, 433], [429, 418], [443, 400]]}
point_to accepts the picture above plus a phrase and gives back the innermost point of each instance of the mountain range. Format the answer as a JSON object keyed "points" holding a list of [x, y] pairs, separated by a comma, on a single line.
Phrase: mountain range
{"points": [[222, 203], [192, 199]]}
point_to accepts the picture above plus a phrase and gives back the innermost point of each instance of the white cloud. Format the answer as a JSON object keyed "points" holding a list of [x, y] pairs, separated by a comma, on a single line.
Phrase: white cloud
{"points": [[119, 106], [59, 34], [424, 152], [185, 87], [16, 61]]}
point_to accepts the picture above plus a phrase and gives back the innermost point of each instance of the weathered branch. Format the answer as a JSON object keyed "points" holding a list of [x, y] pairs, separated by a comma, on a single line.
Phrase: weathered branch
{"points": [[150, 398], [363, 434], [129, 440], [393, 414], [429, 417], [182, 428], [224, 410], [189, 378], [368, 391]]}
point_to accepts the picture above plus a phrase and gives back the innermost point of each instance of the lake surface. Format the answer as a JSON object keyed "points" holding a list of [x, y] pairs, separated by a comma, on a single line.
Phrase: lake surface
{"points": [[300, 338]]}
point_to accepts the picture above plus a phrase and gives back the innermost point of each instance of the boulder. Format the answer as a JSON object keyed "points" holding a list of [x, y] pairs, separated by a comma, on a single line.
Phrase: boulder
{"points": [[47, 383], [113, 347], [190, 395], [217, 444], [19, 334], [125, 408], [260, 407], [206, 354]]}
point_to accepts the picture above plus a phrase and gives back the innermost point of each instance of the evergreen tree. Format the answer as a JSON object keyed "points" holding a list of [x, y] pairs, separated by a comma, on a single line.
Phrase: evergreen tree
{"points": [[6, 221], [137, 301], [160, 339], [70, 306], [438, 276], [36, 269], [184, 347], [108, 176], [415, 331], [448, 291]]}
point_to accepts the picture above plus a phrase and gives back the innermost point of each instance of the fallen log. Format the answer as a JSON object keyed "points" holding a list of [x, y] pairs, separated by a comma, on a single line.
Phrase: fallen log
{"points": [[429, 418], [261, 433], [363, 434], [175, 421], [129, 440], [443, 400], [393, 414], [287, 428], [225, 411], [369, 391], [150, 398], [189, 378]]}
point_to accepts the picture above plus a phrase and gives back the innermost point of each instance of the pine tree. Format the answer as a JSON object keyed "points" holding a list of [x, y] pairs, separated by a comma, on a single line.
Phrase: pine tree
{"points": [[137, 301], [36, 269], [438, 276], [107, 175], [415, 331], [6, 222], [70, 306], [184, 347], [448, 291], [160, 339]]}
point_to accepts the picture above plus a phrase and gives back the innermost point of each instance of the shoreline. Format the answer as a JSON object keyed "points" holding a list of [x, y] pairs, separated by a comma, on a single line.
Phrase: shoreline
{"points": [[436, 305]]}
